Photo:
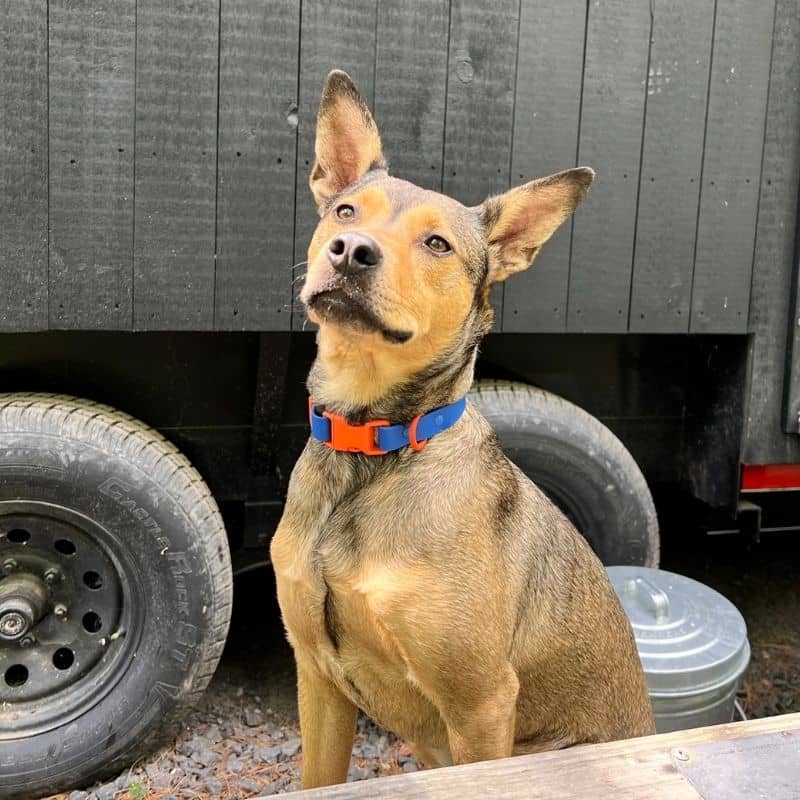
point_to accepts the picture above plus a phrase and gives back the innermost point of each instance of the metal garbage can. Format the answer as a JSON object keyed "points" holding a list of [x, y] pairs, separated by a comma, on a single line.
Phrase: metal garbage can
{"points": [[692, 642]]}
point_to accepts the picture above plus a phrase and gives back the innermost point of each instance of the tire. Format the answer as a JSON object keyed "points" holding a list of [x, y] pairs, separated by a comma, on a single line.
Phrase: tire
{"points": [[579, 464], [128, 543]]}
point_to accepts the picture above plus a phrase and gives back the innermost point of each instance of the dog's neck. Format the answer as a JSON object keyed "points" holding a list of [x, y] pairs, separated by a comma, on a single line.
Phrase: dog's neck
{"points": [[360, 385]]}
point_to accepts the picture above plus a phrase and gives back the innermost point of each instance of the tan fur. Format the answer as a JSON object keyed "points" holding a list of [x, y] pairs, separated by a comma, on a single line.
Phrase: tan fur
{"points": [[439, 591]]}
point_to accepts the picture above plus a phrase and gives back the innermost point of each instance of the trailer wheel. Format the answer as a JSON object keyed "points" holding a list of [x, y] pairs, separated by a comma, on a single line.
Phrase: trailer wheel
{"points": [[579, 464], [115, 591]]}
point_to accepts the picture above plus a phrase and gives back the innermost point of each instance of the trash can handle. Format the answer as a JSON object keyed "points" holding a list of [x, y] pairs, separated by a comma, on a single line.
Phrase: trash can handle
{"points": [[649, 597]]}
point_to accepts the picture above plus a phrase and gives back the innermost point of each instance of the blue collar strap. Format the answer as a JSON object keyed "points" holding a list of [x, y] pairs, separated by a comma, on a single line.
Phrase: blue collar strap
{"points": [[379, 436]]}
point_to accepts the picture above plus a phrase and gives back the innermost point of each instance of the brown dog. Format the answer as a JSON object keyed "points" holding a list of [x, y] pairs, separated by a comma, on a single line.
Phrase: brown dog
{"points": [[437, 589]]}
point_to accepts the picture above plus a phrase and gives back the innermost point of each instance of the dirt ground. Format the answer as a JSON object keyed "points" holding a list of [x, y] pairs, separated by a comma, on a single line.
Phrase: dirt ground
{"points": [[243, 739]]}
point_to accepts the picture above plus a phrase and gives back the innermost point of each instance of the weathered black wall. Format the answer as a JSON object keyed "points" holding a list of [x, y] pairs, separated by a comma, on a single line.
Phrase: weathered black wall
{"points": [[154, 155]]}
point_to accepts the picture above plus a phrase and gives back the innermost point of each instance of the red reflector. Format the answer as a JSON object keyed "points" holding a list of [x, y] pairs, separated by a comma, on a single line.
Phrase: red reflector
{"points": [[756, 477]]}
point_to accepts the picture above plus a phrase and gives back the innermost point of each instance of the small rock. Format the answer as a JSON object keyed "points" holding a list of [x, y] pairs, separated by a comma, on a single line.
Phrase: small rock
{"points": [[76, 795], [162, 780], [410, 766], [214, 787], [291, 747], [269, 755], [253, 718], [239, 691], [356, 773], [235, 766], [123, 780], [402, 759], [106, 792], [249, 785], [205, 757]]}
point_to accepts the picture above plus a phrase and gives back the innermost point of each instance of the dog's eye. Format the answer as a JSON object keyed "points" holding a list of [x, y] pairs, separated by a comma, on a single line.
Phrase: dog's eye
{"points": [[345, 212], [438, 245]]}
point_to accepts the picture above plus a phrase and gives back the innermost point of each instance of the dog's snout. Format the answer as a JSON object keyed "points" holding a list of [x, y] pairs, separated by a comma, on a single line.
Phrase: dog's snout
{"points": [[353, 252]]}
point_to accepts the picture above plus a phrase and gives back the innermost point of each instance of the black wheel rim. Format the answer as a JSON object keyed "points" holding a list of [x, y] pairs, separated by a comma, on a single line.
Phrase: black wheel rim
{"points": [[84, 629]]}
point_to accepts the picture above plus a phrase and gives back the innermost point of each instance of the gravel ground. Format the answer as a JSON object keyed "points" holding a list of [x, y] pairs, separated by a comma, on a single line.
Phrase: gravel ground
{"points": [[243, 740]]}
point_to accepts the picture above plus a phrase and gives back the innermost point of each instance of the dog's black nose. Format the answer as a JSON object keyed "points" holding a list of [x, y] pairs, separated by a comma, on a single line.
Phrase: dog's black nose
{"points": [[354, 252]]}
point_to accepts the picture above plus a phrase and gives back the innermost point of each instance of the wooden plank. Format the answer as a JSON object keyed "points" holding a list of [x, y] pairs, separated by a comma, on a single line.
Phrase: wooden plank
{"points": [[672, 152], [632, 769], [774, 266], [410, 80], [332, 35], [546, 121], [480, 105], [256, 173], [176, 133], [23, 165], [92, 71], [732, 166], [610, 141]]}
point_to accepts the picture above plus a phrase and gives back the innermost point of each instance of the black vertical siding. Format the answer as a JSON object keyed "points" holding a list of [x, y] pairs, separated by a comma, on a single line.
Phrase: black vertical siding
{"points": [[177, 52], [181, 137], [612, 115], [23, 165], [734, 140], [546, 123], [479, 117], [774, 309], [257, 150], [92, 55], [672, 152], [410, 80]]}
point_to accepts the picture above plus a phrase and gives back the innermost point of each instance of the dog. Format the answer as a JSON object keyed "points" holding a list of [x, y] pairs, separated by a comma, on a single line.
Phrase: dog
{"points": [[421, 576]]}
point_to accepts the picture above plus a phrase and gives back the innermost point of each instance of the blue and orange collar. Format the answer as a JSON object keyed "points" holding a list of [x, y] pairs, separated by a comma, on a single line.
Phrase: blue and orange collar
{"points": [[379, 436]]}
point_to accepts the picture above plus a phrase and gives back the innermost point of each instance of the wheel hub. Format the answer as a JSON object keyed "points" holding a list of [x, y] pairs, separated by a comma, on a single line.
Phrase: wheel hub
{"points": [[23, 602], [64, 615]]}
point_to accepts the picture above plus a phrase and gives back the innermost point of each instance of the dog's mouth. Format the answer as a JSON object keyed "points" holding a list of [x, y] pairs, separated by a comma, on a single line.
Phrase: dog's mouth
{"points": [[341, 308]]}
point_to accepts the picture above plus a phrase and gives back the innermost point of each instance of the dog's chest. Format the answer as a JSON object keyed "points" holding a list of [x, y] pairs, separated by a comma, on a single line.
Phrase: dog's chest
{"points": [[341, 592]]}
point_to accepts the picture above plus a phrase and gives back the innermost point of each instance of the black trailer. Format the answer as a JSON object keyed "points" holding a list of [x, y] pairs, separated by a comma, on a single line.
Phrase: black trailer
{"points": [[154, 215]]}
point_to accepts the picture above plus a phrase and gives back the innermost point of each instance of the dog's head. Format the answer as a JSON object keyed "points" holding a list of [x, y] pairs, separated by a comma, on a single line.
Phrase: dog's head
{"points": [[398, 276]]}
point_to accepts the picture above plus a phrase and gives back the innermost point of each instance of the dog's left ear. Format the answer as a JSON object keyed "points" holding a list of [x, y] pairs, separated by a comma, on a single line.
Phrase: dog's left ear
{"points": [[520, 221], [348, 144]]}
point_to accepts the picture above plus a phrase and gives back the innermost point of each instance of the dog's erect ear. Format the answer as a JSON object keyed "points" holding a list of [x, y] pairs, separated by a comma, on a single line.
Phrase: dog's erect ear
{"points": [[520, 221], [348, 144]]}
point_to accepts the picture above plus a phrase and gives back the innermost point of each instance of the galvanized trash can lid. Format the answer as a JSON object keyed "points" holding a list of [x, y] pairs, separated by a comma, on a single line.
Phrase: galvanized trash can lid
{"points": [[690, 638]]}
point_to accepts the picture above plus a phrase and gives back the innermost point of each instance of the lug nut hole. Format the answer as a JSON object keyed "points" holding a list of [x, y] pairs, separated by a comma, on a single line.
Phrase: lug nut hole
{"points": [[18, 536], [92, 579], [16, 675], [63, 658], [65, 547], [92, 622]]}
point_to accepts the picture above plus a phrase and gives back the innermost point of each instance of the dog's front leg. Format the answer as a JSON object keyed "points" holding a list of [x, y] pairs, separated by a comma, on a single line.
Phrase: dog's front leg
{"points": [[327, 727], [481, 726]]}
